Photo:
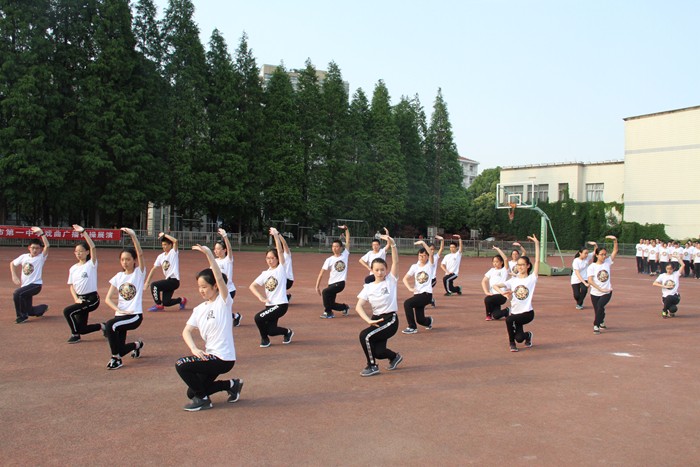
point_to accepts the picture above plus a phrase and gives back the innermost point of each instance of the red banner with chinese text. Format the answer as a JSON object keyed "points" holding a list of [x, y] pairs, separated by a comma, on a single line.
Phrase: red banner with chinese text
{"points": [[60, 233]]}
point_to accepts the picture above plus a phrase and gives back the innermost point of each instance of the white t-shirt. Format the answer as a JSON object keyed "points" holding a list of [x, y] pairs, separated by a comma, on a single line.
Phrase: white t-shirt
{"points": [[513, 266], [338, 266], [497, 276], [274, 281], [371, 256], [421, 277], [32, 266], [288, 265], [687, 253], [523, 290], [215, 324], [83, 277], [645, 250], [664, 254], [640, 250], [130, 290], [580, 265], [451, 262], [676, 254], [382, 296], [653, 253], [601, 276], [672, 279], [226, 267], [170, 262], [433, 269]]}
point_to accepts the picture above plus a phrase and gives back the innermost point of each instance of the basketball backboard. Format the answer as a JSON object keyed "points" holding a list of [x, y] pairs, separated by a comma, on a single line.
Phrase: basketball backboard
{"points": [[515, 194]]}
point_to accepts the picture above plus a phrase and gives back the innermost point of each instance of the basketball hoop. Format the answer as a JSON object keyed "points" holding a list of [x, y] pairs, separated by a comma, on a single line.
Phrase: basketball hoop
{"points": [[511, 211]]}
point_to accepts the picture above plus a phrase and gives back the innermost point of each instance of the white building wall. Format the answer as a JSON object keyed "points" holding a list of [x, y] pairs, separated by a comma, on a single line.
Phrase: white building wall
{"points": [[577, 175], [662, 164]]}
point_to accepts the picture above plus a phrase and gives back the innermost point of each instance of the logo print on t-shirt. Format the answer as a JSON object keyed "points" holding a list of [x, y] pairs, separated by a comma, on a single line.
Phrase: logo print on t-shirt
{"points": [[166, 265], [127, 291], [521, 292], [422, 277], [603, 276], [84, 275], [27, 269], [339, 266], [670, 283], [271, 284]]}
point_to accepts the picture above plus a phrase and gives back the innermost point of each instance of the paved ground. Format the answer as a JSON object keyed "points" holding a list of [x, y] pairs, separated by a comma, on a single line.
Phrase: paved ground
{"points": [[626, 397]]}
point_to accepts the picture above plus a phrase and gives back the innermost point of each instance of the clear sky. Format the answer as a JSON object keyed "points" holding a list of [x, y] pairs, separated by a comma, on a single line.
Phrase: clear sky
{"points": [[525, 82]]}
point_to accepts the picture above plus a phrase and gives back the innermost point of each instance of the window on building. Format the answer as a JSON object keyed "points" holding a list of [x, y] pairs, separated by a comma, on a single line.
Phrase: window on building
{"points": [[542, 192], [563, 191], [594, 192]]}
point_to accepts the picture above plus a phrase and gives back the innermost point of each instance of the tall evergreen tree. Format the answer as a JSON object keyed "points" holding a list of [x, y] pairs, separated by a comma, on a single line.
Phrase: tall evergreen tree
{"points": [[318, 181], [336, 145], [386, 175], [225, 166], [249, 108], [30, 172], [449, 195], [410, 120], [186, 70], [359, 123], [112, 123], [147, 30], [282, 178]]}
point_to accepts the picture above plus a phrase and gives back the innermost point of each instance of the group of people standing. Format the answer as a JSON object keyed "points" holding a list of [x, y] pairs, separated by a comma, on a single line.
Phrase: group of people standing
{"points": [[653, 255]]}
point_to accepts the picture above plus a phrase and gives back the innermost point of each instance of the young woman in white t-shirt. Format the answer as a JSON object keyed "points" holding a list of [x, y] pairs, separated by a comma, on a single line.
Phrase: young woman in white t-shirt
{"points": [[384, 322], [214, 320], [599, 281], [422, 290], [274, 282], [579, 277], [521, 288], [128, 286], [82, 281], [224, 258], [670, 282], [498, 274]]}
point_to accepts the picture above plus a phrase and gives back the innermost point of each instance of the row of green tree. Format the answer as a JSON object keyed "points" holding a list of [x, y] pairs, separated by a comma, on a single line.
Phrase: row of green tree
{"points": [[105, 107]]}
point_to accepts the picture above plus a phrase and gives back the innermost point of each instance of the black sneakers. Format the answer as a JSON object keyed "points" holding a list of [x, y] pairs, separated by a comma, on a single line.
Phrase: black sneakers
{"points": [[528, 341], [237, 320], [288, 337], [73, 339], [198, 404], [136, 353], [395, 362], [114, 363], [235, 392], [370, 370]]}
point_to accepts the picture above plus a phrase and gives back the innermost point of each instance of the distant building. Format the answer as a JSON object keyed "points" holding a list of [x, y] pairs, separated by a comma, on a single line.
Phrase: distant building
{"points": [[656, 181], [267, 71], [592, 181], [662, 169], [469, 170]]}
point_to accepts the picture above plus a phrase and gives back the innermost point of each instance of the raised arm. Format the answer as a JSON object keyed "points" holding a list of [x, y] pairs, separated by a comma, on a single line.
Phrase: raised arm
{"points": [[88, 240], [347, 236], [278, 244], [137, 247], [615, 246], [227, 242], [387, 247], [523, 251], [427, 249], [38, 231], [442, 244], [536, 266], [171, 238], [394, 254], [220, 282], [460, 243], [502, 255]]}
